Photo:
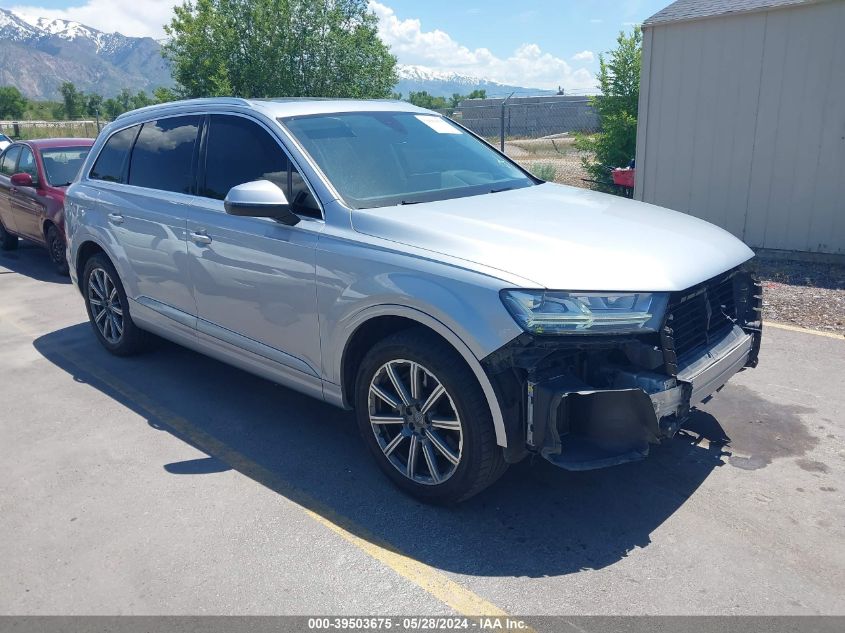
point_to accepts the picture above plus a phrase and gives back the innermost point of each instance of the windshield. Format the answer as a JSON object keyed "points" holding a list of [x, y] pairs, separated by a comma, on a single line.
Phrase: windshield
{"points": [[379, 159], [62, 164]]}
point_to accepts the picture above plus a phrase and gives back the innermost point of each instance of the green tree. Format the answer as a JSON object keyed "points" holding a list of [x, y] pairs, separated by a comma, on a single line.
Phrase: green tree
{"points": [[140, 100], [112, 108], [477, 94], [275, 48], [425, 100], [74, 100], [12, 103], [619, 82], [94, 104], [164, 95]]}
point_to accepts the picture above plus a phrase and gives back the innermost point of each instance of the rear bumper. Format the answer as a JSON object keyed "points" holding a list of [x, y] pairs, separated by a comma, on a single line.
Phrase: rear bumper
{"points": [[578, 427]]}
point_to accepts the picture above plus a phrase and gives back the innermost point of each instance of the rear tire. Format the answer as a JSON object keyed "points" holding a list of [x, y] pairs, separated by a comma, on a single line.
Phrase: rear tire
{"points": [[56, 248], [8, 242], [108, 308], [417, 402]]}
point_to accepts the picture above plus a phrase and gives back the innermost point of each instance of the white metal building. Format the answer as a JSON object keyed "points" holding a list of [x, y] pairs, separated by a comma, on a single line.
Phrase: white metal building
{"points": [[742, 118]]}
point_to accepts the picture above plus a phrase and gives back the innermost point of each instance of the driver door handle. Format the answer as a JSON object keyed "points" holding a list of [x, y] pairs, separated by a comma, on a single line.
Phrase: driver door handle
{"points": [[200, 238], [115, 218]]}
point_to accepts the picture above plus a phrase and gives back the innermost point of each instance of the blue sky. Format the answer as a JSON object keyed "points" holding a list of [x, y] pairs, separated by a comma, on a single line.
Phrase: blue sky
{"points": [[533, 43], [560, 27]]}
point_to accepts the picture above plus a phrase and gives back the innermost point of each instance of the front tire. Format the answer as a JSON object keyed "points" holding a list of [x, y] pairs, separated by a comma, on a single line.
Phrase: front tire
{"points": [[56, 248], [108, 308], [8, 242], [424, 417]]}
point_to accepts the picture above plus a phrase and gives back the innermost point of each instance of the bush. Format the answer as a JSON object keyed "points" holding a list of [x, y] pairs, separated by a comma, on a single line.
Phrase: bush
{"points": [[619, 79]]}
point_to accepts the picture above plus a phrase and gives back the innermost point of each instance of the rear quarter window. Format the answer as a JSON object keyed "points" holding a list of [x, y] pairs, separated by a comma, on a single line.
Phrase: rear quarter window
{"points": [[111, 162]]}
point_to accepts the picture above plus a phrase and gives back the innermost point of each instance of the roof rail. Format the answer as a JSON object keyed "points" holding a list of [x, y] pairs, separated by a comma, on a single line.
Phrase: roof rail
{"points": [[203, 101]]}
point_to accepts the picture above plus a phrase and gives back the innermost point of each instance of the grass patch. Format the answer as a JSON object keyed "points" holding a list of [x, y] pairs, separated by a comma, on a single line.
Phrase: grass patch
{"points": [[545, 171]]}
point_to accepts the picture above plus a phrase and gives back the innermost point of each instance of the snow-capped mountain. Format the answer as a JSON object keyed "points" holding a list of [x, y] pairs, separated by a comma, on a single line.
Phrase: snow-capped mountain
{"points": [[444, 84], [14, 29], [38, 55]]}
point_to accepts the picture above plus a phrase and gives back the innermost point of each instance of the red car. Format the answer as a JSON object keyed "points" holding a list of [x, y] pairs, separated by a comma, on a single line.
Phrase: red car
{"points": [[33, 179]]}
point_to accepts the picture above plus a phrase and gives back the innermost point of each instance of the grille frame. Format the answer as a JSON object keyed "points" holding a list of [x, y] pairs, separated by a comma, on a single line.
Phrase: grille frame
{"points": [[700, 316]]}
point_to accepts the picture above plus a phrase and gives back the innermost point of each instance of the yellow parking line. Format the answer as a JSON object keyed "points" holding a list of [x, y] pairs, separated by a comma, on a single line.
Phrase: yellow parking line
{"points": [[434, 582], [803, 330]]}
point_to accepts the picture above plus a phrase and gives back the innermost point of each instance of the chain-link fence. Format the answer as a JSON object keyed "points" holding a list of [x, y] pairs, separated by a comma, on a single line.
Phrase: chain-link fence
{"points": [[527, 117], [49, 129], [537, 132]]}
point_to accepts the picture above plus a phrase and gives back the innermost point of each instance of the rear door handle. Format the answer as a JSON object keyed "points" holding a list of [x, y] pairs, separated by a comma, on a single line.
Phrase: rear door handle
{"points": [[200, 238], [115, 218]]}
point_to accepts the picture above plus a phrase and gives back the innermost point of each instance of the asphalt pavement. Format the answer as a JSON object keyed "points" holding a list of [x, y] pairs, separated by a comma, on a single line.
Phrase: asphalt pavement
{"points": [[170, 483]]}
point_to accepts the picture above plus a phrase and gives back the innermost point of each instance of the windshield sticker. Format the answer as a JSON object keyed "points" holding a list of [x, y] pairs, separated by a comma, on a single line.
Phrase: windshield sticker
{"points": [[438, 124]]}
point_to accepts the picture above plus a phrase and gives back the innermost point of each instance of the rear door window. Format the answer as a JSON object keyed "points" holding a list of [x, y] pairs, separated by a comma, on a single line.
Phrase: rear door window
{"points": [[163, 156], [10, 158], [111, 162]]}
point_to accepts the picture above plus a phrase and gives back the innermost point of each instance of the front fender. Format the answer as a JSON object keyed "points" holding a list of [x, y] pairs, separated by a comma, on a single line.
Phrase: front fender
{"points": [[443, 330], [359, 281]]}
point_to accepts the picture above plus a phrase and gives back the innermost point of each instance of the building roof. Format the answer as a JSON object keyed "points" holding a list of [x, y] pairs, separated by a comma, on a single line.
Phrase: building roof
{"points": [[683, 10]]}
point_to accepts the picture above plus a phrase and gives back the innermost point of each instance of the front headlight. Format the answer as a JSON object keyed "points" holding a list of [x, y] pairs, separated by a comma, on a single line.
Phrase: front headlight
{"points": [[560, 312]]}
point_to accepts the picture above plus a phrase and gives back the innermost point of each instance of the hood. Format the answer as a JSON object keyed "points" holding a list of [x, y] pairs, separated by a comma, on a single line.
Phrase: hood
{"points": [[565, 238]]}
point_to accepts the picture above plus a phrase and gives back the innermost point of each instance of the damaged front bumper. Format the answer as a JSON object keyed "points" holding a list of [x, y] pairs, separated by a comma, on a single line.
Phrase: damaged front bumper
{"points": [[596, 402], [580, 428]]}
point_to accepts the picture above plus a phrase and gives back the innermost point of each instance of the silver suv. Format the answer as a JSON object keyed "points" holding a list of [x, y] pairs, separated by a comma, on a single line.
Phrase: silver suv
{"points": [[379, 256]]}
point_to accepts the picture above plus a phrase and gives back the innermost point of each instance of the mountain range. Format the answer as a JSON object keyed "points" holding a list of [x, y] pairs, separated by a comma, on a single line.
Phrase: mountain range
{"points": [[38, 56]]}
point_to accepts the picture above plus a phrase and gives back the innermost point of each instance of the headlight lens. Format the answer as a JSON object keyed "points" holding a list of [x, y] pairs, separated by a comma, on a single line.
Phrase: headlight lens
{"points": [[559, 312]]}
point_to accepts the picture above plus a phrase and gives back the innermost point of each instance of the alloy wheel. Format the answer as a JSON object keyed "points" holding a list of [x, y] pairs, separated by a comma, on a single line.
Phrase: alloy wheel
{"points": [[415, 422], [106, 307]]}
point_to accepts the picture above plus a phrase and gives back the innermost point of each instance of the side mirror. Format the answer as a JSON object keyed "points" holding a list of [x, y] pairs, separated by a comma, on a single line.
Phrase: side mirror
{"points": [[22, 180], [260, 199]]}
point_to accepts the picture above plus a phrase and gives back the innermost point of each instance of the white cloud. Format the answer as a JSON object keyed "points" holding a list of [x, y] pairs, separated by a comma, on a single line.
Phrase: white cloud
{"points": [[527, 66], [584, 56], [130, 17]]}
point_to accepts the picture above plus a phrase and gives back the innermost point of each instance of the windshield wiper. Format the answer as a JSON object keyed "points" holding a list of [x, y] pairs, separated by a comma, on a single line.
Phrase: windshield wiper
{"points": [[404, 202], [502, 189]]}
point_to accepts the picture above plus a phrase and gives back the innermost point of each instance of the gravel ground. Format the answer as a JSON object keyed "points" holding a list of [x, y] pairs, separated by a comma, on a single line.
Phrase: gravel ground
{"points": [[804, 294]]}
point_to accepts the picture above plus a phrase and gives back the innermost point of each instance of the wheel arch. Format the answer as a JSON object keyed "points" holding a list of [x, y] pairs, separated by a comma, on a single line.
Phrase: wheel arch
{"points": [[378, 322], [85, 251], [45, 226]]}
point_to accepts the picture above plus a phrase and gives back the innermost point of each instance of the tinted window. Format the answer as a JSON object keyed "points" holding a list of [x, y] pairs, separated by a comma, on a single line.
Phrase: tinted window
{"points": [[163, 154], [26, 164], [111, 161], [240, 151], [300, 197], [7, 166]]}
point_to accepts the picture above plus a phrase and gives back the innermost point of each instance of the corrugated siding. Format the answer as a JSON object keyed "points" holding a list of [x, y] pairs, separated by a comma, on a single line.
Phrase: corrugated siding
{"points": [[743, 124]]}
